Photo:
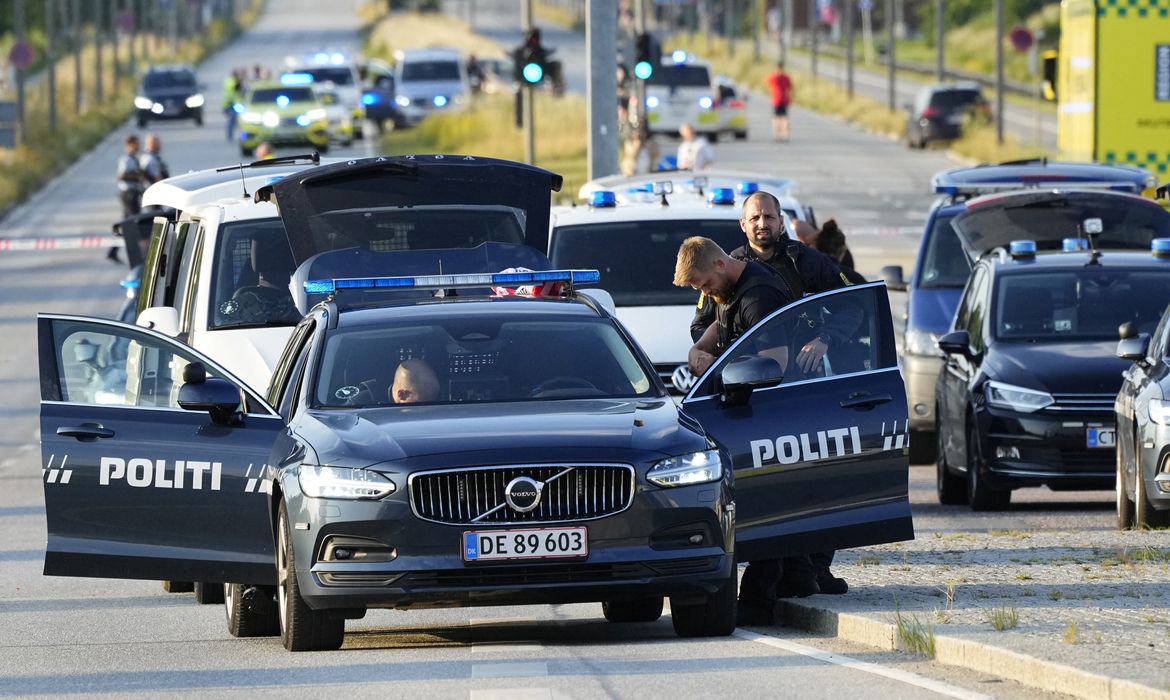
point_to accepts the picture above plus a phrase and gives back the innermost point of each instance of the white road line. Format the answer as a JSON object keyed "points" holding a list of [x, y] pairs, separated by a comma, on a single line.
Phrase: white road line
{"points": [[513, 694], [514, 649], [839, 660], [512, 670]]}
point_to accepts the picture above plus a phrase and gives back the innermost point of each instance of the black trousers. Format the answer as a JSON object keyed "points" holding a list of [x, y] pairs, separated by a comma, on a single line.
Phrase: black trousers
{"points": [[758, 585]]}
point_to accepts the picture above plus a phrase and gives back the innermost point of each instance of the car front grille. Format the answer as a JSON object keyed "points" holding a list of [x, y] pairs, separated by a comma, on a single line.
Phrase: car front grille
{"points": [[1082, 403], [477, 495]]}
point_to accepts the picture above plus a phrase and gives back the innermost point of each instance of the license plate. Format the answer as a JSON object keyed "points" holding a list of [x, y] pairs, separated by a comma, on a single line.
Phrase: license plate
{"points": [[1101, 436], [533, 543]]}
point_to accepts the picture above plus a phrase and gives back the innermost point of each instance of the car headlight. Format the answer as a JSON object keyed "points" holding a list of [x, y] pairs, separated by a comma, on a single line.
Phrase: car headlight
{"points": [[1017, 398], [684, 470], [1160, 411], [270, 119], [251, 117], [343, 482], [195, 101], [143, 102], [315, 115], [402, 100], [921, 343], [652, 102]]}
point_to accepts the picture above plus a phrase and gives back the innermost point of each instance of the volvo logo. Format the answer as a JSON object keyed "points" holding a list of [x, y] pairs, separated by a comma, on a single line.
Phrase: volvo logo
{"points": [[523, 494], [682, 379]]}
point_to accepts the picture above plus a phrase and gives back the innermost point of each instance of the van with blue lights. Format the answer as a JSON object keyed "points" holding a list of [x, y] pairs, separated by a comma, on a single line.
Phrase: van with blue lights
{"points": [[941, 267], [430, 80], [682, 91]]}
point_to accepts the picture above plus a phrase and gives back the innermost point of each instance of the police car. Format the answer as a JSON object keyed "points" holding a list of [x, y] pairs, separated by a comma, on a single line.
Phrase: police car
{"points": [[682, 91], [339, 114], [337, 68], [1026, 393], [281, 115]]}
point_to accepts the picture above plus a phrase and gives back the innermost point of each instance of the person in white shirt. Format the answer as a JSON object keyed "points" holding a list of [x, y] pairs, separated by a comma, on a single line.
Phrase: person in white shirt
{"points": [[694, 153]]}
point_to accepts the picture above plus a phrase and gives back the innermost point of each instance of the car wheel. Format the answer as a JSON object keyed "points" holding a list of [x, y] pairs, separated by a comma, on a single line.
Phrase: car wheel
{"points": [[199, 120], [741, 136], [141, 123], [323, 148], [923, 447], [1144, 514], [713, 618], [713, 137], [251, 610], [980, 494], [178, 586], [208, 593], [951, 489], [245, 151], [301, 627], [1125, 507], [637, 610]]}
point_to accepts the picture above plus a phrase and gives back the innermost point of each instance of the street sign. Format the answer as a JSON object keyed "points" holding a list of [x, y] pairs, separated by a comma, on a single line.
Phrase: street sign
{"points": [[1021, 38], [20, 55]]}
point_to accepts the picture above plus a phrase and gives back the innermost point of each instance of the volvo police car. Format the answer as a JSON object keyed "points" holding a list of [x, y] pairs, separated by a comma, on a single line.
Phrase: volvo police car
{"points": [[544, 462]]}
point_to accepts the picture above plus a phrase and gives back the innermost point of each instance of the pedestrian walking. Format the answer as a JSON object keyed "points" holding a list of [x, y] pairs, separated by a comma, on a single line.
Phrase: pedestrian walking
{"points": [[695, 152], [781, 86], [233, 89], [131, 182]]}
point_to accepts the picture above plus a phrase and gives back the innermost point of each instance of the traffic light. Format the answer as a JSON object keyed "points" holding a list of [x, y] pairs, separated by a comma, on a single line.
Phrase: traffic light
{"points": [[531, 59], [646, 56]]}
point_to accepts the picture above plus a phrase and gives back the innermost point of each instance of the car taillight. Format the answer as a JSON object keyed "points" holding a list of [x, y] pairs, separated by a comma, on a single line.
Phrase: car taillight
{"points": [[931, 113], [735, 104]]}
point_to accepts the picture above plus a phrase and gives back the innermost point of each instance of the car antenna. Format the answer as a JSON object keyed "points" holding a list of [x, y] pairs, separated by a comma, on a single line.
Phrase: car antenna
{"points": [[1090, 229], [243, 182]]}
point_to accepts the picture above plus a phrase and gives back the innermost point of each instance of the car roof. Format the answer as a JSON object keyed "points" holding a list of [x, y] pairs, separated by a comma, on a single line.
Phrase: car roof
{"points": [[170, 68], [1040, 172], [429, 54], [452, 307], [1004, 264], [648, 211], [214, 184], [683, 178]]}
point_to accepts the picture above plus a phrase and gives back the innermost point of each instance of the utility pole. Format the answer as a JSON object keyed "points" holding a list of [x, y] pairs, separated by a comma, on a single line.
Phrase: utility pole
{"points": [[758, 27], [999, 71], [98, 26], [529, 93], [941, 68], [51, 63], [891, 99], [20, 70], [812, 35], [75, 23], [849, 49], [729, 21], [601, 86]]}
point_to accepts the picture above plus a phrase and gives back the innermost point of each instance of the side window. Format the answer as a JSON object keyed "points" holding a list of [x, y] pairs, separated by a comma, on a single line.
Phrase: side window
{"points": [[963, 313], [98, 364], [161, 240], [857, 321], [1160, 339], [978, 306], [278, 390], [187, 263]]}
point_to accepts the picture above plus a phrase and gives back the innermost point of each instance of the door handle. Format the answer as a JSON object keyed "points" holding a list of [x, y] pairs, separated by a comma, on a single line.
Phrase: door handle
{"points": [[864, 403], [86, 432]]}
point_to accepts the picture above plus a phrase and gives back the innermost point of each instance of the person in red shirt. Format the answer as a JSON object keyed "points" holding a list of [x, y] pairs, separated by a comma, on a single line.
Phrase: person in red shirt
{"points": [[781, 86]]}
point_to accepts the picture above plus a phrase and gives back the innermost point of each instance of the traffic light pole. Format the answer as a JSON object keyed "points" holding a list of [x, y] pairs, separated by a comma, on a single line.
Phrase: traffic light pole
{"points": [[529, 94], [601, 63]]}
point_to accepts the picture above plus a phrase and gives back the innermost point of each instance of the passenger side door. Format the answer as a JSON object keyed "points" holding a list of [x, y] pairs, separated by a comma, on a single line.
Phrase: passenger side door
{"points": [[135, 486], [821, 462]]}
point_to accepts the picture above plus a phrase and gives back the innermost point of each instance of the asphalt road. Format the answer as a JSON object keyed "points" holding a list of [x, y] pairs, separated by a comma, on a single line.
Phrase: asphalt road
{"points": [[129, 638]]}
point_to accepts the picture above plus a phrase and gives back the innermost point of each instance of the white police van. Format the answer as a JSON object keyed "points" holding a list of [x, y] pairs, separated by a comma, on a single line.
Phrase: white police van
{"points": [[681, 91]]}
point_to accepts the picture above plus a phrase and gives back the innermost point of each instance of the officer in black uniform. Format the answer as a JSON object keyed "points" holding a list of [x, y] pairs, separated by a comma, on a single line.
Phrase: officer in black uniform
{"points": [[802, 270]]}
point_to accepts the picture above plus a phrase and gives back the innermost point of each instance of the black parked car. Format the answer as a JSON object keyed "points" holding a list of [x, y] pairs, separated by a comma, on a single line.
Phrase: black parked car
{"points": [[939, 113], [1026, 394], [169, 92]]}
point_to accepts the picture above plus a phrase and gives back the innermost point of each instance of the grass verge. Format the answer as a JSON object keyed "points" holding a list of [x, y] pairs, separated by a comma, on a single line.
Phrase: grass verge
{"points": [[915, 636]]}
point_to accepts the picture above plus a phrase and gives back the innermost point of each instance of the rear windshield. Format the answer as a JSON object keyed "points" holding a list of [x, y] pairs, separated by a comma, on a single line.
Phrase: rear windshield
{"points": [[169, 79], [954, 98], [681, 76], [293, 94], [1088, 303], [1126, 222], [643, 273], [476, 360], [336, 75], [944, 264], [430, 70]]}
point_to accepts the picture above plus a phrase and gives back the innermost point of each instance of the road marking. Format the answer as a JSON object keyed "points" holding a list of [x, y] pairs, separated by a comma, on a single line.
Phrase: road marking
{"points": [[839, 660], [521, 648], [513, 670], [513, 694]]}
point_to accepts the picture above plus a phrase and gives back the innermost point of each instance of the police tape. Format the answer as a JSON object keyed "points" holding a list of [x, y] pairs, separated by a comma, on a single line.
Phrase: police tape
{"points": [[59, 243]]}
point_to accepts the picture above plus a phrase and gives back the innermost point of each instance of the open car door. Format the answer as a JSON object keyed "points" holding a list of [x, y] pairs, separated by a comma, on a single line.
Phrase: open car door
{"points": [[821, 460], [135, 486]]}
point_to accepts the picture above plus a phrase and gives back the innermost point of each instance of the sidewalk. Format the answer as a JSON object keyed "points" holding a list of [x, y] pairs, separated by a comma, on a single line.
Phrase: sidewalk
{"points": [[1093, 607]]}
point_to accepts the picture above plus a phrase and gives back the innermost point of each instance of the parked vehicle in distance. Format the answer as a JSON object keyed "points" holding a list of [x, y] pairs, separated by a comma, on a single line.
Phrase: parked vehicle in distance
{"points": [[169, 92], [939, 113], [429, 80]]}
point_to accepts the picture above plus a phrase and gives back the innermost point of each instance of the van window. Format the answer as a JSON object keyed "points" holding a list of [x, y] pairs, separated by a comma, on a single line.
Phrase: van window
{"points": [[430, 70], [944, 264], [681, 76]]}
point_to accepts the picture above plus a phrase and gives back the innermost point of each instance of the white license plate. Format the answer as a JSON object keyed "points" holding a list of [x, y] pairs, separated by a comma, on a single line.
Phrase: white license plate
{"points": [[1101, 436], [533, 543]]}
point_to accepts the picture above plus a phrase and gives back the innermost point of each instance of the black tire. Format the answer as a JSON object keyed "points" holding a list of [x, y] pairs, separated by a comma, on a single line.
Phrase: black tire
{"points": [[1125, 506], [713, 618], [923, 447], [323, 149], [250, 610], [951, 489], [301, 627], [178, 586], [713, 137], [637, 610], [199, 120], [741, 136], [141, 123], [1144, 515], [980, 495], [208, 593], [245, 151]]}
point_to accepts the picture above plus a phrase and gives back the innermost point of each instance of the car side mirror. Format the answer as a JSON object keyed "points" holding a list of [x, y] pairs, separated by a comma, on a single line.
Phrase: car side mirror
{"points": [[164, 319], [1133, 348], [956, 343], [743, 375], [218, 397], [892, 274]]}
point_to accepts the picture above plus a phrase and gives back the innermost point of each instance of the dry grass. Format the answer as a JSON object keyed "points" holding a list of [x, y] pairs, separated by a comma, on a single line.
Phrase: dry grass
{"points": [[423, 30]]}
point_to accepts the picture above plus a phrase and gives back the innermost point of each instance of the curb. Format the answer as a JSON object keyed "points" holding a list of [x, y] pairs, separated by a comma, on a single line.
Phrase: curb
{"points": [[974, 656]]}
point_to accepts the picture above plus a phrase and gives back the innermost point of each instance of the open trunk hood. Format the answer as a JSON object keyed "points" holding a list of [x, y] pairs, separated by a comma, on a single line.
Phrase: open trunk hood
{"points": [[413, 203], [1050, 216]]}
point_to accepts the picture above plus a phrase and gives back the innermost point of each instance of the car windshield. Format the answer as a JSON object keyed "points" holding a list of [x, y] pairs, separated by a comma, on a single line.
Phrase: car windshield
{"points": [[681, 76], [954, 99], [430, 70], [273, 95], [169, 79], [336, 75], [250, 277], [1087, 303], [477, 359], [643, 274], [944, 264]]}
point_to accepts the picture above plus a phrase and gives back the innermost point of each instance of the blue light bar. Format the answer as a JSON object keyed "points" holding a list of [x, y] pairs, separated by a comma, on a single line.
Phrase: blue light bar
{"points": [[1070, 245], [679, 56], [1022, 249], [282, 101], [453, 281], [721, 195], [603, 198], [1160, 247], [946, 189], [369, 98], [748, 187], [296, 79]]}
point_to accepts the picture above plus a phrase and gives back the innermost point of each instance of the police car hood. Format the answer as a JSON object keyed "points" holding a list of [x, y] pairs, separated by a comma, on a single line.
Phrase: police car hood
{"points": [[465, 434], [386, 200], [1087, 367], [1050, 216]]}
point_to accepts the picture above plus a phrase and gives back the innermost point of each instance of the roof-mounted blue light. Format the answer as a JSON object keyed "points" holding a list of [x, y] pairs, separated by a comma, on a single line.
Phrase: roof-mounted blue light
{"points": [[1160, 247], [946, 189], [645, 187], [370, 98], [603, 199], [747, 187], [296, 79], [1022, 249], [572, 277], [678, 56], [1070, 245], [721, 195]]}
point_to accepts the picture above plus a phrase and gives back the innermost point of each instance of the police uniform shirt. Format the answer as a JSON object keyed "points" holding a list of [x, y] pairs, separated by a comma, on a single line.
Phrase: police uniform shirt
{"points": [[129, 164], [756, 294]]}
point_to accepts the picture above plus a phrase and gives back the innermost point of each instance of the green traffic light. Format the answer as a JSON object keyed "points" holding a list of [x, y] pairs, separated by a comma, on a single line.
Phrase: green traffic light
{"points": [[533, 72], [643, 70]]}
